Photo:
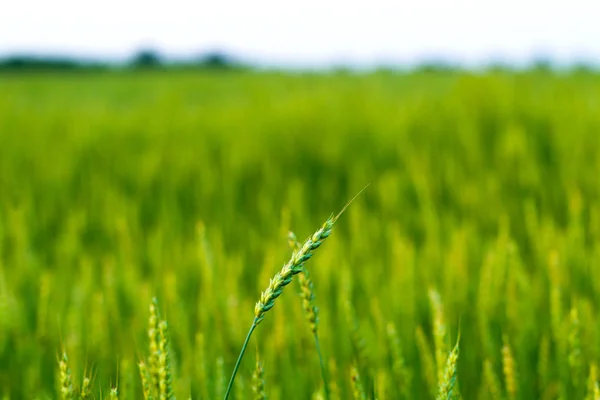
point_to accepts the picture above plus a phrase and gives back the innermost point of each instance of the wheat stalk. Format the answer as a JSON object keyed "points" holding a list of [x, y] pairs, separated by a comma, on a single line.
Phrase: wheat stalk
{"points": [[283, 278]]}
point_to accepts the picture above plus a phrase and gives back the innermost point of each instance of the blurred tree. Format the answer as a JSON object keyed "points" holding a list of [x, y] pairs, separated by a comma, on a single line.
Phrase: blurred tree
{"points": [[24, 63], [216, 60], [146, 58]]}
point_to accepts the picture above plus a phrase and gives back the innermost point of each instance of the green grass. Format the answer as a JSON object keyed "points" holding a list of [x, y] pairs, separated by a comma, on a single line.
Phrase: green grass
{"points": [[119, 187]]}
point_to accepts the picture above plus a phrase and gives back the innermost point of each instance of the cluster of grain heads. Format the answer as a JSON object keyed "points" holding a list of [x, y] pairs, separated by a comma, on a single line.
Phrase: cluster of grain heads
{"points": [[258, 381], [66, 381], [447, 387], [156, 375], [284, 277], [67, 389], [358, 391]]}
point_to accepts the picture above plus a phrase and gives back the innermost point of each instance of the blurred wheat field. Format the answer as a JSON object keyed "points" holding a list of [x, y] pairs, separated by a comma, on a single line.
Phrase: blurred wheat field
{"points": [[483, 216]]}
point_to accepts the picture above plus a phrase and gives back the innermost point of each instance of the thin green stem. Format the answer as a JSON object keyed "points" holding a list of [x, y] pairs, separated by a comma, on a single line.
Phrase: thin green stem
{"points": [[239, 360], [323, 373]]}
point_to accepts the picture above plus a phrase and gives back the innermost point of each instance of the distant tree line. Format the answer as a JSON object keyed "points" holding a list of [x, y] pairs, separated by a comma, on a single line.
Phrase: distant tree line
{"points": [[148, 59], [144, 59]]}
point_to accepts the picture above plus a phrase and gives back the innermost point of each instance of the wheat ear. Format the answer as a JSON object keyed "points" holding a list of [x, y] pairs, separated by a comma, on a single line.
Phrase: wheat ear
{"points": [[86, 388], [449, 377], [153, 340], [164, 363], [66, 383], [283, 278], [156, 374], [258, 381], [146, 381]]}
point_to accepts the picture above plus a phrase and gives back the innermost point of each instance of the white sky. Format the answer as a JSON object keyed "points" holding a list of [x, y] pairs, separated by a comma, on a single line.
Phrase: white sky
{"points": [[308, 32]]}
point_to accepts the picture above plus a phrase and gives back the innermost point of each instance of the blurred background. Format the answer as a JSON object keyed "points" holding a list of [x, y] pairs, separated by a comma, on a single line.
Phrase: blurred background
{"points": [[165, 150]]}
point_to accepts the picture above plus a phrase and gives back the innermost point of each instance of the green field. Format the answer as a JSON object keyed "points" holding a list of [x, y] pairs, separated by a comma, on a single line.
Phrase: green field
{"points": [[117, 187]]}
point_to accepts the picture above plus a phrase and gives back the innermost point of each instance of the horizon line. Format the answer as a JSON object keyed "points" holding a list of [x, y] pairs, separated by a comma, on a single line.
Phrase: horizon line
{"points": [[233, 58]]}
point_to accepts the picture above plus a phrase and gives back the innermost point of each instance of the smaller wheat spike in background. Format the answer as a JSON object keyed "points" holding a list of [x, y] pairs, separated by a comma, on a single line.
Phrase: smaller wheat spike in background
{"points": [[258, 380], [447, 385], [156, 375], [67, 391], [283, 278], [310, 309]]}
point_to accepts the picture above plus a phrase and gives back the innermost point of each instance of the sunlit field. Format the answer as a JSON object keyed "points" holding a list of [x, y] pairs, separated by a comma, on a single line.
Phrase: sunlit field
{"points": [[468, 268]]}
